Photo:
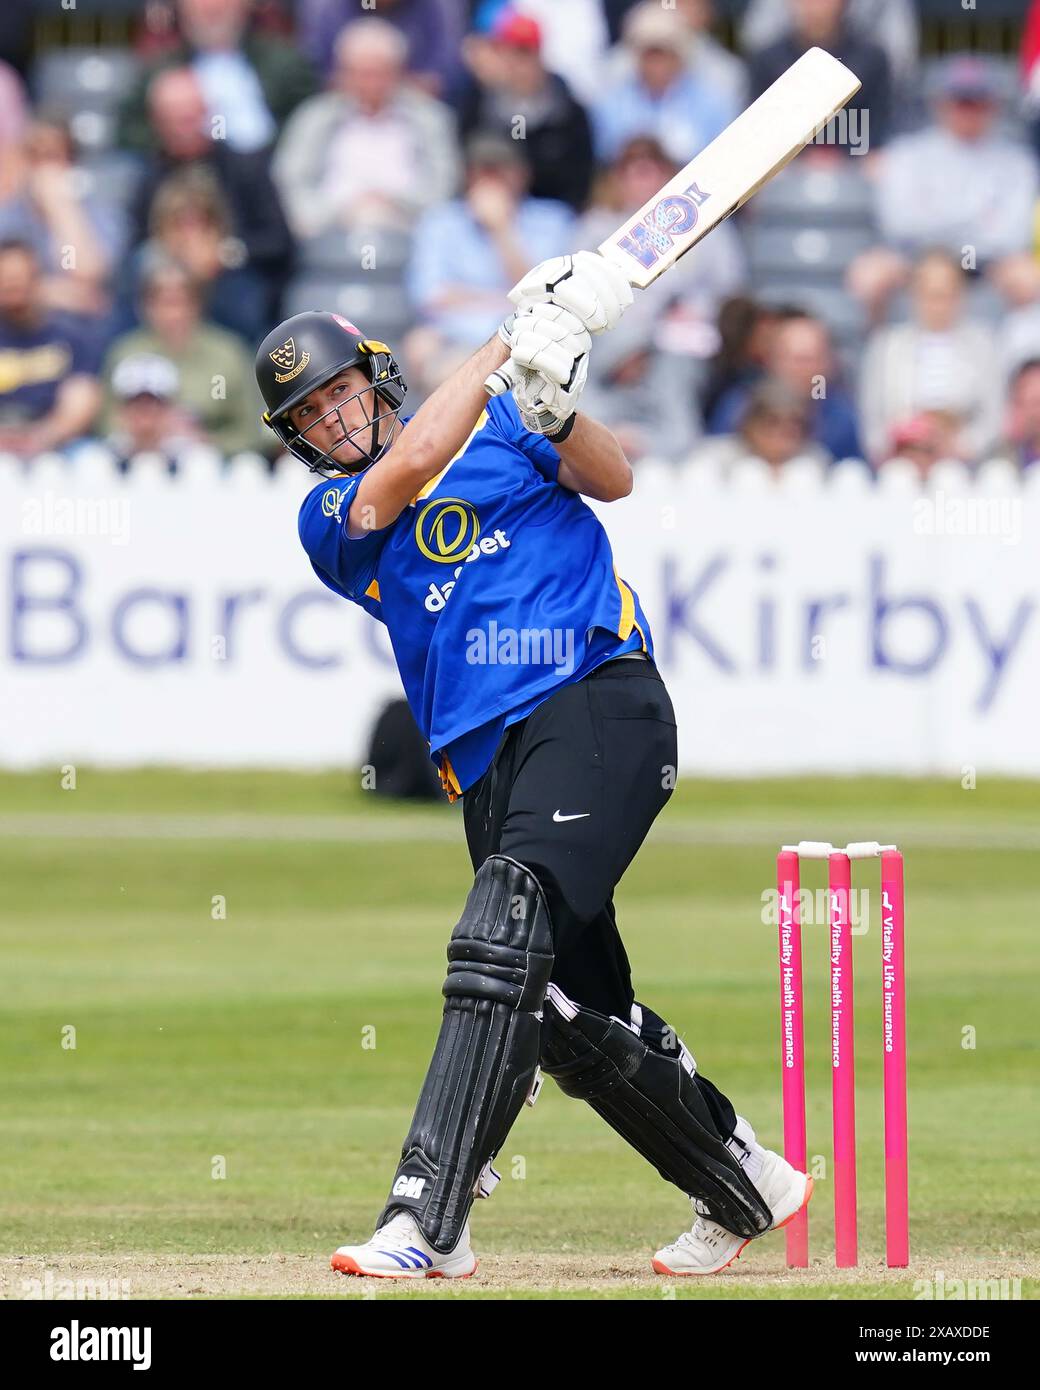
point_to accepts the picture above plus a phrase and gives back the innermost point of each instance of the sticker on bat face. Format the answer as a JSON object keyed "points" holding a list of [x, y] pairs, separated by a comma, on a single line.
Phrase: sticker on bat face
{"points": [[672, 216], [345, 323]]}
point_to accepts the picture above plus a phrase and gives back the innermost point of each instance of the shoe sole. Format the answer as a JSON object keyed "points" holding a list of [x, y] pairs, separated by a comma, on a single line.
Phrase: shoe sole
{"points": [[346, 1264], [659, 1266]]}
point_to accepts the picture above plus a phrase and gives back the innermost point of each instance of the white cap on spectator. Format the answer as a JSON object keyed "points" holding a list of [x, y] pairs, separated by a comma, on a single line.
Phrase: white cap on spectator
{"points": [[650, 26], [145, 374]]}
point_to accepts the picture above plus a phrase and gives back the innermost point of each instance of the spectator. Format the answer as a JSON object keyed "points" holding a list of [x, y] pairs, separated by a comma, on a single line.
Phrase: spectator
{"points": [[645, 381], [891, 23], [862, 125], [1019, 337], [710, 63], [145, 416], [218, 393], [575, 40], [958, 184], [773, 424], [922, 440], [373, 151], [746, 331], [661, 98], [469, 252], [74, 234], [644, 394], [1021, 442], [14, 112], [256, 240], [190, 223], [555, 136], [251, 83], [49, 394], [800, 356], [432, 29], [938, 363]]}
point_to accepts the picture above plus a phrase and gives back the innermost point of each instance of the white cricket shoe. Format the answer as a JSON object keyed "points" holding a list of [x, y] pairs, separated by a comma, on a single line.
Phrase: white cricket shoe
{"points": [[709, 1247], [399, 1250]]}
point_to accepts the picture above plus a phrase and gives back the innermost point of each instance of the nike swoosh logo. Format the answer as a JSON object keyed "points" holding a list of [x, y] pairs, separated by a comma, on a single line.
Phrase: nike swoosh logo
{"points": [[580, 816]]}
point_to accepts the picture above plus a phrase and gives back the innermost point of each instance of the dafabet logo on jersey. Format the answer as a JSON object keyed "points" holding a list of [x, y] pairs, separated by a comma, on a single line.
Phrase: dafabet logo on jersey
{"points": [[447, 531]]}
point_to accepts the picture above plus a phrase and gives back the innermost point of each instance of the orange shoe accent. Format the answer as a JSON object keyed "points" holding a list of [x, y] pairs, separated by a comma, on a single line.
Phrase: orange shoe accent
{"points": [[346, 1264], [659, 1266]]}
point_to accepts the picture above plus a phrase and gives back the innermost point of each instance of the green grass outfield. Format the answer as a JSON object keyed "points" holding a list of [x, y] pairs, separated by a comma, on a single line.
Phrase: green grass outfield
{"points": [[242, 1039]]}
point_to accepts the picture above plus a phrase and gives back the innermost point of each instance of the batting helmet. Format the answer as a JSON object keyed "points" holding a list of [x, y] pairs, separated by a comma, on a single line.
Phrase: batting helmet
{"points": [[305, 352]]}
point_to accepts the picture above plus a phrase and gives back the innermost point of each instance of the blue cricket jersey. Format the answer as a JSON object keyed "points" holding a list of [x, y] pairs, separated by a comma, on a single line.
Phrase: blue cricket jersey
{"points": [[496, 584]]}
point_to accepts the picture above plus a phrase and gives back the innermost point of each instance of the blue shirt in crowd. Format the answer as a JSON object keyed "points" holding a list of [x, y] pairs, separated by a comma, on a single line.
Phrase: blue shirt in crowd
{"points": [[451, 249], [684, 118], [35, 361]]}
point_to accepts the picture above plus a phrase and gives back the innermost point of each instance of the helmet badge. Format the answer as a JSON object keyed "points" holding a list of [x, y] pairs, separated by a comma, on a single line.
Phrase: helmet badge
{"points": [[285, 357]]}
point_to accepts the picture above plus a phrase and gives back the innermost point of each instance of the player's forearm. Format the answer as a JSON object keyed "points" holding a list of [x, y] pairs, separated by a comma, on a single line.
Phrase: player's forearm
{"points": [[430, 440], [593, 463]]}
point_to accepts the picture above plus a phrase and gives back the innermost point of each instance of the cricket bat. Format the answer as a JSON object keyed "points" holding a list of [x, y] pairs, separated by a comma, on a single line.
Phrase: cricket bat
{"points": [[724, 175]]}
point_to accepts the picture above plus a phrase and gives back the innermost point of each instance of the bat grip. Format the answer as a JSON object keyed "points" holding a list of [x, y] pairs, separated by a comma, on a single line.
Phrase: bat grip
{"points": [[501, 380]]}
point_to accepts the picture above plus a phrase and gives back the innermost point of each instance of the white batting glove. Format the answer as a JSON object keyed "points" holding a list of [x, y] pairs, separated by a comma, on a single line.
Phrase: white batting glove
{"points": [[549, 351], [594, 289], [551, 341]]}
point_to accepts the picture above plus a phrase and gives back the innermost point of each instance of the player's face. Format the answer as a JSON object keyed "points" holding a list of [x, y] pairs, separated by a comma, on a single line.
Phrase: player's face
{"points": [[337, 418]]}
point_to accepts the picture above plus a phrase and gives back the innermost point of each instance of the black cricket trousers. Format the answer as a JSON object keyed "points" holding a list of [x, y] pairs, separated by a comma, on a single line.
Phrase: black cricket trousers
{"points": [[571, 793]]}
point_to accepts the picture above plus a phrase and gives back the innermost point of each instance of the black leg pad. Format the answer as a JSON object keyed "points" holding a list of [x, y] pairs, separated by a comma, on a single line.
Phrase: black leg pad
{"points": [[499, 960], [653, 1101]]}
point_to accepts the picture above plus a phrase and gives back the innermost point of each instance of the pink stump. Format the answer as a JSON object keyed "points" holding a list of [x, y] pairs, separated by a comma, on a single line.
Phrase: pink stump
{"points": [[843, 1061], [792, 1043], [893, 1003]]}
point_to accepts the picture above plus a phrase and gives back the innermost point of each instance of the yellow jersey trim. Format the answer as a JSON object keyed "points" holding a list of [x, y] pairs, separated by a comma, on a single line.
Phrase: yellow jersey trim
{"points": [[427, 488], [449, 782], [628, 608]]}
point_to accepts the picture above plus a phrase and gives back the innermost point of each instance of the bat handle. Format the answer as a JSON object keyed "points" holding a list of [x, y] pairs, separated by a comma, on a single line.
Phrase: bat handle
{"points": [[501, 380]]}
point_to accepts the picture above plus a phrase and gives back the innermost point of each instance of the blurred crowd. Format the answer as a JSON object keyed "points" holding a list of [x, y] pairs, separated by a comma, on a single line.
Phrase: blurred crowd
{"points": [[164, 202]]}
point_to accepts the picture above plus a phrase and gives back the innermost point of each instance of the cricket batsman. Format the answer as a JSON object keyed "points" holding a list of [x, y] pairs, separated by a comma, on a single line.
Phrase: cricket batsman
{"points": [[528, 663]]}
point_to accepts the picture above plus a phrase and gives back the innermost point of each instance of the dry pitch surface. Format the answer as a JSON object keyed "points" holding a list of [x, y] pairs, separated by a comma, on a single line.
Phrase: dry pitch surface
{"points": [[502, 1276]]}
